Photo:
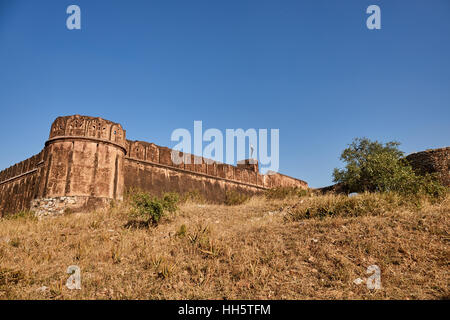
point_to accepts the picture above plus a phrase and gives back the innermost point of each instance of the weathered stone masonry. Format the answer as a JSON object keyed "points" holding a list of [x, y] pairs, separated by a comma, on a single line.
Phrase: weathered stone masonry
{"points": [[432, 161], [87, 162]]}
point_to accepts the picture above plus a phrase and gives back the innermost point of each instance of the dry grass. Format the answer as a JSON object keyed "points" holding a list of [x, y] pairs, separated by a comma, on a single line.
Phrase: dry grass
{"points": [[263, 249]]}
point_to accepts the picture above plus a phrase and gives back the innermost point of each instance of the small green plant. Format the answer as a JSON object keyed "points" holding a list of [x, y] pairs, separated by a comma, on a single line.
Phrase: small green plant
{"points": [[234, 198], [170, 201], [182, 231], [148, 207], [153, 208], [24, 215]]}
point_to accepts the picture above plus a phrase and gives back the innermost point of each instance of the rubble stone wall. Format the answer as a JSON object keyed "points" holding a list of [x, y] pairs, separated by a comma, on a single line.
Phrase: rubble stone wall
{"points": [[432, 161]]}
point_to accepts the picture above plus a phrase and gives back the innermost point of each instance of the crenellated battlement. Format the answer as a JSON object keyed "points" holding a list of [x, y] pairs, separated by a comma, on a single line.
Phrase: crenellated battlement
{"points": [[88, 127], [21, 168]]}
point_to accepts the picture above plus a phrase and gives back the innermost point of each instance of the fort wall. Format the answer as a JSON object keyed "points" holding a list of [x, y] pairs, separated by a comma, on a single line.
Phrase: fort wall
{"points": [[19, 184], [150, 167], [432, 161], [88, 162], [158, 178]]}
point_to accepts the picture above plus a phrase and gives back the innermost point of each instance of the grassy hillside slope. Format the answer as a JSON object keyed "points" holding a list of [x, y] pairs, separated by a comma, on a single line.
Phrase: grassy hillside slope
{"points": [[263, 249]]}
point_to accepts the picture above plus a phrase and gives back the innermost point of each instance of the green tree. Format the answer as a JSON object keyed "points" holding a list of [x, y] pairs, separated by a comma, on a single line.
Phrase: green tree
{"points": [[373, 166]]}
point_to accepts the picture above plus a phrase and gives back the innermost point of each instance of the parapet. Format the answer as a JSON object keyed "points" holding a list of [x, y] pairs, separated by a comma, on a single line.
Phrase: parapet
{"points": [[89, 128]]}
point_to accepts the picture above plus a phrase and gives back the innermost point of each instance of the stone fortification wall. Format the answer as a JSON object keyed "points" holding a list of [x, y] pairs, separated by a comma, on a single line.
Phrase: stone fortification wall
{"points": [[432, 161], [88, 162]]}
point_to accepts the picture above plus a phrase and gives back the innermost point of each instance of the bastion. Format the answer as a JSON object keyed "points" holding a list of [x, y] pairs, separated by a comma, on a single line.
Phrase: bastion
{"points": [[87, 163], [435, 161]]}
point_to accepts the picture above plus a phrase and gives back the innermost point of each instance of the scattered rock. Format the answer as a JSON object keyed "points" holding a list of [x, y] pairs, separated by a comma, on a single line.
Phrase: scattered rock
{"points": [[42, 289]]}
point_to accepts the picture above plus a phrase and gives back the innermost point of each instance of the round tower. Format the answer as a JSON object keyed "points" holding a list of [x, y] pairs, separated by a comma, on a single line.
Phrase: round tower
{"points": [[432, 161], [83, 165]]}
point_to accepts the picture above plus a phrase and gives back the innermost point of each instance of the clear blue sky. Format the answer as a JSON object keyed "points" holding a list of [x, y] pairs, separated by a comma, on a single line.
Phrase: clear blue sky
{"points": [[309, 68]]}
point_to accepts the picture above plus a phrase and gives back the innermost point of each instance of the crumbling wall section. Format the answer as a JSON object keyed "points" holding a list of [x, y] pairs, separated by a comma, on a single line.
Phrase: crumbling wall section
{"points": [[432, 161]]}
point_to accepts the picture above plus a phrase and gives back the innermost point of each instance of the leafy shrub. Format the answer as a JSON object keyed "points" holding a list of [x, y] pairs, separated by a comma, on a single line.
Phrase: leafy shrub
{"points": [[170, 201], [285, 192], [153, 208], [234, 198], [375, 167], [430, 185]]}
